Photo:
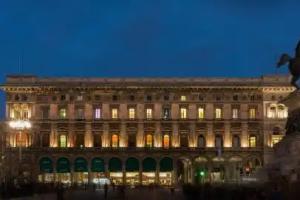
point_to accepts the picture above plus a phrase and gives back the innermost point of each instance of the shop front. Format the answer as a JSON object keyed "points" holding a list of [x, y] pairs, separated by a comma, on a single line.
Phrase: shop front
{"points": [[115, 171], [63, 174], [98, 176], [149, 171], [46, 170], [166, 171], [81, 176], [132, 171]]}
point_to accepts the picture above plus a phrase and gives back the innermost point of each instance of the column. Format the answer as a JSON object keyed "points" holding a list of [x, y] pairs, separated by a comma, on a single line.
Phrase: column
{"points": [[210, 139], [244, 138], [175, 135], [227, 135], [140, 135], [88, 136], [105, 137], [53, 135], [157, 135], [123, 135], [192, 135]]}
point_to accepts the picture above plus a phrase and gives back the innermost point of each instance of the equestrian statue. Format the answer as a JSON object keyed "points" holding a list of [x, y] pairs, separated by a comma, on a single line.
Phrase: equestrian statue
{"points": [[294, 65]]}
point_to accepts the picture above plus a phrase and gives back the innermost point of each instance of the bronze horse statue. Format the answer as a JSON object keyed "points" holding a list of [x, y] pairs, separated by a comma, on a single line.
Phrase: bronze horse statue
{"points": [[294, 65]]}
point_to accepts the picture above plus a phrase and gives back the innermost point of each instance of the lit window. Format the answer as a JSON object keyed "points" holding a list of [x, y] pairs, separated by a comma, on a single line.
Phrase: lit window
{"points": [[166, 141], [114, 113], [182, 98], [149, 140], [272, 112], [149, 113], [131, 113], [19, 111], [97, 113], [282, 112], [276, 139], [62, 113], [252, 113], [114, 140], [62, 141], [201, 113], [235, 113], [79, 98], [218, 113], [21, 139], [252, 141], [183, 113]]}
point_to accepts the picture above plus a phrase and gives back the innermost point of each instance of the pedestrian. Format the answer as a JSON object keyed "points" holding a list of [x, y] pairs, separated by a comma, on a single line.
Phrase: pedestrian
{"points": [[105, 190]]}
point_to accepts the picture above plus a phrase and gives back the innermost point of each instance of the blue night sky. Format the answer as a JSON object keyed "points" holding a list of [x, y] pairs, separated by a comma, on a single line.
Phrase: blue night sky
{"points": [[146, 38]]}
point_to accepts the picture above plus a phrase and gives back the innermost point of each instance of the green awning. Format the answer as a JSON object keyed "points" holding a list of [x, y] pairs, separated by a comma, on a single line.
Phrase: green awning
{"points": [[80, 165], [115, 165], [63, 165], [132, 165], [166, 164], [97, 165], [46, 165], [149, 165]]}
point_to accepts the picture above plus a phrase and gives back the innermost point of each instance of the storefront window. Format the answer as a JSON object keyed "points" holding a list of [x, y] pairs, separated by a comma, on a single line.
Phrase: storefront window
{"points": [[114, 140]]}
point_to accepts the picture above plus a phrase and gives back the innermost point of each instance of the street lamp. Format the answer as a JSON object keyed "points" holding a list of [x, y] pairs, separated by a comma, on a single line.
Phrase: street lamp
{"points": [[20, 125]]}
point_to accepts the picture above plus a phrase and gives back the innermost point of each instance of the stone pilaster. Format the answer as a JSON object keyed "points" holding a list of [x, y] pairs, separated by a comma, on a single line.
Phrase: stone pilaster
{"points": [[175, 135], [227, 135], [140, 135], [192, 135], [106, 137], [88, 136], [244, 138], [123, 135], [210, 137], [157, 135]]}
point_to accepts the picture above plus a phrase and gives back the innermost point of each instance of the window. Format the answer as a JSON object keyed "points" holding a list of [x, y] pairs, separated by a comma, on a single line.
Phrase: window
{"points": [[252, 113], [272, 111], [235, 113], [218, 113], [131, 140], [21, 139], [46, 140], [97, 140], [282, 112], [218, 141], [115, 97], [114, 140], [97, 113], [63, 97], [62, 141], [80, 140], [114, 113], [182, 98], [166, 113], [149, 98], [166, 141], [252, 141], [201, 141], [45, 112], [149, 140], [79, 113], [166, 98], [276, 136], [62, 113], [236, 141], [97, 97], [235, 97], [149, 113], [131, 98], [201, 113], [131, 113], [79, 98], [183, 113]]}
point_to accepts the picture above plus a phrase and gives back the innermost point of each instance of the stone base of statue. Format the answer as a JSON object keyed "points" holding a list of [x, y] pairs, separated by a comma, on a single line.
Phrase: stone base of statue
{"points": [[286, 157]]}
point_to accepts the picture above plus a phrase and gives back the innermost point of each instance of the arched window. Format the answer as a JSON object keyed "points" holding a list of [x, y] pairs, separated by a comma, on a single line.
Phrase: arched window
{"points": [[276, 136], [166, 141], [282, 111], [272, 111], [236, 141], [201, 141], [114, 140], [149, 140], [218, 141], [62, 140]]}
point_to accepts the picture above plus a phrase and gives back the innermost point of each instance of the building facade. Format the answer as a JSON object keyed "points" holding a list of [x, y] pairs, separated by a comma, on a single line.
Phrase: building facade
{"points": [[142, 130]]}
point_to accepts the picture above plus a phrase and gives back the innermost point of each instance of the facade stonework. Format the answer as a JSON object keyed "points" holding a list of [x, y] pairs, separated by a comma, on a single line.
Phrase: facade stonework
{"points": [[143, 130]]}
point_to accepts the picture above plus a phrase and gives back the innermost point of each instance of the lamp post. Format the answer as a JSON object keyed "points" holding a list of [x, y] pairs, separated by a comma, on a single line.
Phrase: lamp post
{"points": [[20, 125]]}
